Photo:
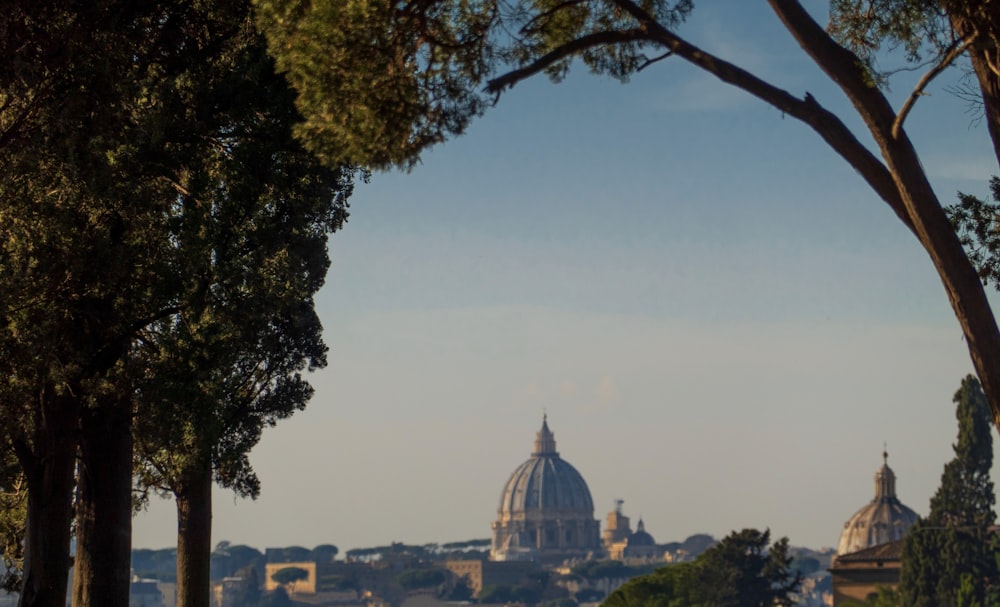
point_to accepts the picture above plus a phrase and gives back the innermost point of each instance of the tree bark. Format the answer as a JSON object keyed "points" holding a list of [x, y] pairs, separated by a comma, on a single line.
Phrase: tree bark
{"points": [[928, 221], [101, 573], [984, 21], [48, 465], [194, 535]]}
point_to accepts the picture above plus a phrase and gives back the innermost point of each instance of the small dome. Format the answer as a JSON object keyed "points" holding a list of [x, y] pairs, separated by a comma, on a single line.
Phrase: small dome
{"points": [[545, 482], [885, 519], [641, 537]]}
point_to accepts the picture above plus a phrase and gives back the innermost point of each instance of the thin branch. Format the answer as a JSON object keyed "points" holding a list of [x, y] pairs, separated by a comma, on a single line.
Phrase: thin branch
{"points": [[656, 59], [563, 51], [825, 123], [956, 50]]}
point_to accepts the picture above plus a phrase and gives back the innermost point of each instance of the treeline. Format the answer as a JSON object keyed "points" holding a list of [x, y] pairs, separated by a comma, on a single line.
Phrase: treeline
{"points": [[469, 549], [227, 560]]}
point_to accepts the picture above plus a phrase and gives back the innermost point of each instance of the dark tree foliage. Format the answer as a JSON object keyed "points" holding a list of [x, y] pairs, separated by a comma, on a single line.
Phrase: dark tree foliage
{"points": [[870, 26], [324, 553], [13, 513], [276, 598], [496, 593], [977, 222], [84, 185], [742, 570], [411, 579], [229, 560], [949, 557], [289, 575], [162, 236], [608, 569], [249, 595], [461, 591], [589, 595]]}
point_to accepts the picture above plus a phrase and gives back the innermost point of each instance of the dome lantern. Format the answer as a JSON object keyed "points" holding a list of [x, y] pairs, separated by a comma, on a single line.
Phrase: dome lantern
{"points": [[545, 441], [885, 480]]}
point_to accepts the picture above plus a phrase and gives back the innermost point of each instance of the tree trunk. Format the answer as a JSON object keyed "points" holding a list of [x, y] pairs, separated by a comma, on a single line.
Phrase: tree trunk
{"points": [[927, 219], [101, 575], [194, 535], [49, 471], [984, 55]]}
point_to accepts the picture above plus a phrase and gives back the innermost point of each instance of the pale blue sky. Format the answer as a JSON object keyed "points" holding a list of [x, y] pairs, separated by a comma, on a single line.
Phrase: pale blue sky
{"points": [[720, 319]]}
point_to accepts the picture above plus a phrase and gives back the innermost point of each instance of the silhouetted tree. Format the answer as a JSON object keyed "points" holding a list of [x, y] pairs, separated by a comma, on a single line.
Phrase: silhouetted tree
{"points": [[949, 556]]}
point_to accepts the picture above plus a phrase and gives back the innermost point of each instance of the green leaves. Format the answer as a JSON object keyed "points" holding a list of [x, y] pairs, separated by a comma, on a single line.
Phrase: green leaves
{"points": [[740, 571], [948, 557], [379, 81], [977, 223], [248, 243]]}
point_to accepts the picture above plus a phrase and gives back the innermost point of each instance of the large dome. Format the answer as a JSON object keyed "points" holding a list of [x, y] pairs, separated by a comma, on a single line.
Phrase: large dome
{"points": [[545, 482], [885, 519], [546, 510]]}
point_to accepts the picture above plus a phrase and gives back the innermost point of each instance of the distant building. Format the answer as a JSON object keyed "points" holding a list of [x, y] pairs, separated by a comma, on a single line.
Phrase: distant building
{"points": [[870, 550], [479, 574], [617, 528], [546, 512], [144, 593], [622, 544], [857, 575], [306, 585], [226, 592]]}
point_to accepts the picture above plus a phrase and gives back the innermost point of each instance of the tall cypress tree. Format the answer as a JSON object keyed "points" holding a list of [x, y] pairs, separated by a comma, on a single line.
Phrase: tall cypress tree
{"points": [[948, 557]]}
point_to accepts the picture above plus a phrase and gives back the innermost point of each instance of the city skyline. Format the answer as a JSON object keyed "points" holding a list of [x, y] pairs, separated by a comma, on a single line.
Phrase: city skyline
{"points": [[722, 322]]}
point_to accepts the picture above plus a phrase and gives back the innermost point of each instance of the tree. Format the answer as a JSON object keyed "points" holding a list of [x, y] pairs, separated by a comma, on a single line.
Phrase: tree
{"points": [[250, 228], [461, 591], [931, 31], [951, 553], [230, 560], [291, 554], [276, 598], [113, 123], [324, 553], [249, 594], [13, 504], [427, 64], [289, 575], [496, 594], [81, 181], [742, 570], [411, 579]]}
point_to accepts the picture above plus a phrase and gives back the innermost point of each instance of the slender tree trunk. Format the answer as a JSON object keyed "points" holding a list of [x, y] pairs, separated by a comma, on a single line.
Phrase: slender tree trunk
{"points": [[49, 471], [104, 507], [194, 535]]}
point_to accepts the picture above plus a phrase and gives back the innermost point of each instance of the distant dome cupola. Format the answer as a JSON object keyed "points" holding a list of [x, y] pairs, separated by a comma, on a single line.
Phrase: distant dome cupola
{"points": [[885, 519]]}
